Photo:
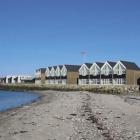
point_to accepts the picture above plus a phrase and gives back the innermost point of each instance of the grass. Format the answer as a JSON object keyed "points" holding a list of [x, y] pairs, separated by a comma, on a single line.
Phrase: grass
{"points": [[96, 89]]}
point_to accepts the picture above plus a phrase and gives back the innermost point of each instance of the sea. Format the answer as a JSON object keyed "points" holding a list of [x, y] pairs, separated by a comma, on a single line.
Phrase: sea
{"points": [[10, 99]]}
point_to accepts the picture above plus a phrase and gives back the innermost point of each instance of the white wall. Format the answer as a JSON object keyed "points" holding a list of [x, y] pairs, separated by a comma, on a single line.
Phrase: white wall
{"points": [[20, 77]]}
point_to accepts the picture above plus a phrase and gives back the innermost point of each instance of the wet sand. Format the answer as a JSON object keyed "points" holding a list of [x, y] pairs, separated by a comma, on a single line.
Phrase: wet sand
{"points": [[74, 116]]}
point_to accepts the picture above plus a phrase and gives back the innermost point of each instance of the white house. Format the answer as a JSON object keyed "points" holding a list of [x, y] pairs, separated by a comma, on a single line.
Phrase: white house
{"points": [[107, 73], [23, 79], [18, 79], [52, 75], [8, 79], [48, 75], [58, 79], [95, 73], [84, 74], [64, 75], [119, 73], [126, 72]]}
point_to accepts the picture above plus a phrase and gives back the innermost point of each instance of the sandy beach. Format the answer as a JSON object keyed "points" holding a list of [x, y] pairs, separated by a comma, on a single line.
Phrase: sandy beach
{"points": [[74, 116]]}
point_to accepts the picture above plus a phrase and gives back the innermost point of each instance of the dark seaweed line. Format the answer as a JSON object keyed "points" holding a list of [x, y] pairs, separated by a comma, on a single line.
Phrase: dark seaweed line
{"points": [[95, 120]]}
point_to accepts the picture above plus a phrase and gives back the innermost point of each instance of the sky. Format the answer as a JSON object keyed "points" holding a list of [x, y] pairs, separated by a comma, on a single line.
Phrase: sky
{"points": [[41, 33]]}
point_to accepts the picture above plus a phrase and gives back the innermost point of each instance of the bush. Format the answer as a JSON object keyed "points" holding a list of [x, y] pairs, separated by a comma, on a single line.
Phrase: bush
{"points": [[95, 89]]}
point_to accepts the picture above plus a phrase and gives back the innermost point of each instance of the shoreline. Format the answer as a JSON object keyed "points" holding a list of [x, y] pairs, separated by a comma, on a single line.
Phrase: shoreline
{"points": [[106, 89], [42, 94], [73, 116], [30, 103]]}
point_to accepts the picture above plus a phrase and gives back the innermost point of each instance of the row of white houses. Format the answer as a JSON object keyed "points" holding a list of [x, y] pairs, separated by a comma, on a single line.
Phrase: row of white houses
{"points": [[117, 73], [62, 74], [12, 79]]}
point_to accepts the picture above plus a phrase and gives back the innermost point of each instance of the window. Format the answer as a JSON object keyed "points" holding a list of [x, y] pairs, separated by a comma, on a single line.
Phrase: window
{"points": [[91, 81], [119, 70], [119, 81], [95, 70], [84, 71], [105, 81], [106, 70], [94, 81]]}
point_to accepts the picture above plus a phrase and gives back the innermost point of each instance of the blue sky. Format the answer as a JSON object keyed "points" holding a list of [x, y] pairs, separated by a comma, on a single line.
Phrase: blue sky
{"points": [[40, 33]]}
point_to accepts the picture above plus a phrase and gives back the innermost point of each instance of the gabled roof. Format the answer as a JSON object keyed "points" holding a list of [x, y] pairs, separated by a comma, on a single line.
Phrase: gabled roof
{"points": [[43, 70], [10, 78], [2, 77], [49, 68], [112, 64], [55, 67], [130, 65], [60, 66], [100, 64], [74, 68], [15, 78], [88, 65]]}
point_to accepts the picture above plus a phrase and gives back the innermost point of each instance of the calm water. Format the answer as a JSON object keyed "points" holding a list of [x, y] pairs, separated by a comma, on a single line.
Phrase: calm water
{"points": [[9, 100]]}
